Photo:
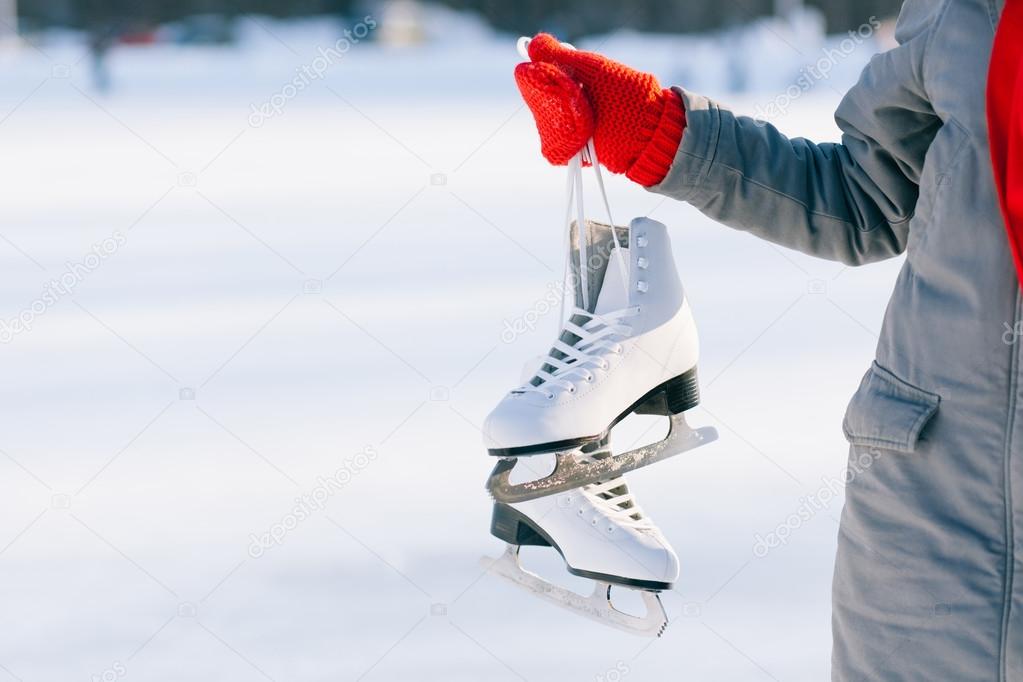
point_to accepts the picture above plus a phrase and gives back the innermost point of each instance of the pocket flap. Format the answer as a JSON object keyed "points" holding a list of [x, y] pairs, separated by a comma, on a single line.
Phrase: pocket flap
{"points": [[887, 412]]}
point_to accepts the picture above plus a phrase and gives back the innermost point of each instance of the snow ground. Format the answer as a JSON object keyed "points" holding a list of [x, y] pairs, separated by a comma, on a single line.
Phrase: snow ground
{"points": [[289, 295]]}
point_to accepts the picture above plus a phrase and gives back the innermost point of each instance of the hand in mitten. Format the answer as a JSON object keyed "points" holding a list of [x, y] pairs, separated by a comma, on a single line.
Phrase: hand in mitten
{"points": [[635, 124]]}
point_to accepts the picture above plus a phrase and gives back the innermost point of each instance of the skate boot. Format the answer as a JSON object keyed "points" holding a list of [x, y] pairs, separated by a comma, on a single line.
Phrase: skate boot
{"points": [[602, 534], [629, 345]]}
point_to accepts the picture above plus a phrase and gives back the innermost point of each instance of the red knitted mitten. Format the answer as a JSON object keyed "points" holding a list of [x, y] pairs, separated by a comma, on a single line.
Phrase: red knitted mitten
{"points": [[635, 124]]}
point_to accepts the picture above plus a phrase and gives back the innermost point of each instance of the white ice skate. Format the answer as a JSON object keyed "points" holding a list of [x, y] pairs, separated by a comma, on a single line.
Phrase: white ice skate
{"points": [[601, 534], [629, 345]]}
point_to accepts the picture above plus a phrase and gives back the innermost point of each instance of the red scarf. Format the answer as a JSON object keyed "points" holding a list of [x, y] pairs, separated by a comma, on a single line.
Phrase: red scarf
{"points": [[1005, 123]]}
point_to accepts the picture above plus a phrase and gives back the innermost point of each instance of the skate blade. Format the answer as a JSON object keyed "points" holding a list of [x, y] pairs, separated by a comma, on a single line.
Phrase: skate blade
{"points": [[596, 607], [570, 473]]}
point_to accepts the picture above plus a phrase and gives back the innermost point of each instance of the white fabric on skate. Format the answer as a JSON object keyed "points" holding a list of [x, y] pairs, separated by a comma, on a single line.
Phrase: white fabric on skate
{"points": [[614, 290]]}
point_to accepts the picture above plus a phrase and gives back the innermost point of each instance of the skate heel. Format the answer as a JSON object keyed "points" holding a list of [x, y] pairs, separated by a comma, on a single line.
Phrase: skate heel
{"points": [[674, 396], [682, 393], [514, 528]]}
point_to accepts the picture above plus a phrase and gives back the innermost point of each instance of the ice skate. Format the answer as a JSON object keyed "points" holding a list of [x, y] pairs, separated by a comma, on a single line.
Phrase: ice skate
{"points": [[629, 346], [601, 534]]}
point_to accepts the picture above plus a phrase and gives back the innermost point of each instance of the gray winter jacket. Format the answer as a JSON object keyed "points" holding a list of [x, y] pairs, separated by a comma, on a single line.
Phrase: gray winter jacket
{"points": [[928, 582]]}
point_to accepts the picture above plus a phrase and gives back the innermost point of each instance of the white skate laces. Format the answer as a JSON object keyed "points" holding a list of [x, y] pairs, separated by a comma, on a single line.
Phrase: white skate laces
{"points": [[574, 192], [566, 364], [615, 502]]}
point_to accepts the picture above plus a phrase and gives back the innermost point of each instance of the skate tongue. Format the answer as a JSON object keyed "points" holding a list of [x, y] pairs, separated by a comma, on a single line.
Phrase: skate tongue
{"points": [[612, 290]]}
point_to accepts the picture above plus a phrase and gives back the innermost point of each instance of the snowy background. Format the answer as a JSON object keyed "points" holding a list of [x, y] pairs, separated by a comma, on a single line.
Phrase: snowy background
{"points": [[327, 292]]}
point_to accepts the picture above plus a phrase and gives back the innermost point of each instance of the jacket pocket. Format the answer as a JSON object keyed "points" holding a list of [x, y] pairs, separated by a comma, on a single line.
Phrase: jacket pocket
{"points": [[886, 412]]}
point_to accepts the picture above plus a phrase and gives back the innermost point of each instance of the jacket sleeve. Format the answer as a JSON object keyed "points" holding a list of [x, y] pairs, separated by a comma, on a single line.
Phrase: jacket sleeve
{"points": [[849, 201]]}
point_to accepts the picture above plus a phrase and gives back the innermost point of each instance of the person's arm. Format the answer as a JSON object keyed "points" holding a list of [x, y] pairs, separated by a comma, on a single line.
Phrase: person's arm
{"points": [[850, 202]]}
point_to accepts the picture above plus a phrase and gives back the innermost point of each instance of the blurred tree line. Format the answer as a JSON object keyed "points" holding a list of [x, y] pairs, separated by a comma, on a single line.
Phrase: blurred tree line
{"points": [[136, 14], [569, 18], [573, 18]]}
